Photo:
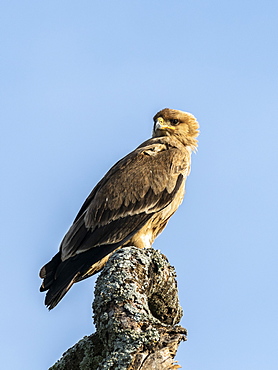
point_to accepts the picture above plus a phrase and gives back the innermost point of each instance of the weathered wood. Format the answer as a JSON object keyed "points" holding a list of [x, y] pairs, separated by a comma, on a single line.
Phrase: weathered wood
{"points": [[136, 312]]}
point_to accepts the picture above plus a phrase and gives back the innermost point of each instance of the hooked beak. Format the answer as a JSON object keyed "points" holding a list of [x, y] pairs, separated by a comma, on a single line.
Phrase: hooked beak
{"points": [[160, 124]]}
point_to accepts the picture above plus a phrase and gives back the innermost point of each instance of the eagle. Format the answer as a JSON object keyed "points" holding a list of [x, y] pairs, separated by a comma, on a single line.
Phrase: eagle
{"points": [[130, 206]]}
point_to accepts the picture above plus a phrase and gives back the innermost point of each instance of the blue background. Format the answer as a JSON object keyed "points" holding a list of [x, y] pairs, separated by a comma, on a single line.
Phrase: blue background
{"points": [[80, 83]]}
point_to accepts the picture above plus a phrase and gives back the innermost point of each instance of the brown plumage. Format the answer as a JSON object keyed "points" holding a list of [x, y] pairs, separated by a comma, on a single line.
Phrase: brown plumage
{"points": [[131, 205]]}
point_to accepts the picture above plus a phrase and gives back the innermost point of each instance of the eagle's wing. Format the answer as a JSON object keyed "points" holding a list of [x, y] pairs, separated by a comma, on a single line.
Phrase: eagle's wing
{"points": [[140, 184]]}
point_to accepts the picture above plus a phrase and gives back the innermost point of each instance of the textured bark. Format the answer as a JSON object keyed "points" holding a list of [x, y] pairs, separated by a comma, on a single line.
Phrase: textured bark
{"points": [[136, 312]]}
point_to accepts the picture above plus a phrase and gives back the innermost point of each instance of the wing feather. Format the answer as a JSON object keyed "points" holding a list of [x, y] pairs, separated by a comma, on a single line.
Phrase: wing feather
{"points": [[142, 183], [126, 186]]}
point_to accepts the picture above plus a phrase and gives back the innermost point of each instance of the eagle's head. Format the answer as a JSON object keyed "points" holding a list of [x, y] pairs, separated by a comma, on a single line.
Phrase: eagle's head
{"points": [[182, 125]]}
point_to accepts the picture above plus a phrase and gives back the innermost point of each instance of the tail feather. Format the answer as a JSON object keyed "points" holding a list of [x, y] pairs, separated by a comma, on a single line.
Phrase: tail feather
{"points": [[59, 276], [53, 296]]}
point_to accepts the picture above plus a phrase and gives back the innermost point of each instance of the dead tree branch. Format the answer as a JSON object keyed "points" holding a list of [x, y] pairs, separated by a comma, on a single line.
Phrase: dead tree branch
{"points": [[136, 312]]}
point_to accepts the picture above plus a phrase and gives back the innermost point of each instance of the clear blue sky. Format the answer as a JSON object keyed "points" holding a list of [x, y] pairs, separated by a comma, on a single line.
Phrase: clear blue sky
{"points": [[80, 82]]}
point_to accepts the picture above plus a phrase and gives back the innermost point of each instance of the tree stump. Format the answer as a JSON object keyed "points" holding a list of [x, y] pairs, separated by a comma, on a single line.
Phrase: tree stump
{"points": [[136, 312]]}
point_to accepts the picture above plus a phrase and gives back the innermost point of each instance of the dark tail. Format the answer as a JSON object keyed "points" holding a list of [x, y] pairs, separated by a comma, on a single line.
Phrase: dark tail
{"points": [[59, 276]]}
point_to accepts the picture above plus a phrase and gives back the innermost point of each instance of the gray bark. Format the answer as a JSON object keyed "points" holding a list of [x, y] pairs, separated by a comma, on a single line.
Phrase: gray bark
{"points": [[136, 312]]}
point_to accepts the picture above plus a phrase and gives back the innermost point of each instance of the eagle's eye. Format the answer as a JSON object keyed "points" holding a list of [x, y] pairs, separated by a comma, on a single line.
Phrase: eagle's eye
{"points": [[174, 122]]}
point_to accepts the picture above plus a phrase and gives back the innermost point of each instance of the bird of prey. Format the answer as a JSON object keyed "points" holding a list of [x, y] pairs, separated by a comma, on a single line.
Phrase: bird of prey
{"points": [[130, 205]]}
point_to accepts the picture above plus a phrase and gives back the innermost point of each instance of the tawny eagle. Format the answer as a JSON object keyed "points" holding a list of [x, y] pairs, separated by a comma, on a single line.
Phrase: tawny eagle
{"points": [[131, 205]]}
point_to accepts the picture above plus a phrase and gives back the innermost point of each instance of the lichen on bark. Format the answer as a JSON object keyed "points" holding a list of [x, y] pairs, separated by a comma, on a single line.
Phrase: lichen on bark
{"points": [[136, 312]]}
